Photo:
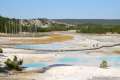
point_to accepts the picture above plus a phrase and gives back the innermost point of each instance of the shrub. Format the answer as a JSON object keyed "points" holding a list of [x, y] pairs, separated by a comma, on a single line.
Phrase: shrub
{"points": [[1, 50], [14, 64], [104, 64]]}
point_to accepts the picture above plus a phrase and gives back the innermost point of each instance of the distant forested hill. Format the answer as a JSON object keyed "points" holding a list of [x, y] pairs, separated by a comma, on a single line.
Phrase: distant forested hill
{"points": [[13, 25], [93, 21]]}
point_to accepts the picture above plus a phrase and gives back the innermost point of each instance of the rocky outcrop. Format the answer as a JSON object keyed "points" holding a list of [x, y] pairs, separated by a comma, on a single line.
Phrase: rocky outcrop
{"points": [[35, 22]]}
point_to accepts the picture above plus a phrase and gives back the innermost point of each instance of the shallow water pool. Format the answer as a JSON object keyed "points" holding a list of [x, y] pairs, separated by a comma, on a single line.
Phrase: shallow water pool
{"points": [[90, 60], [35, 65], [113, 61], [52, 46]]}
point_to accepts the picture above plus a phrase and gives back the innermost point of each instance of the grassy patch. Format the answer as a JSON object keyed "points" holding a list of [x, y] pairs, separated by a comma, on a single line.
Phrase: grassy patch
{"points": [[104, 64]]}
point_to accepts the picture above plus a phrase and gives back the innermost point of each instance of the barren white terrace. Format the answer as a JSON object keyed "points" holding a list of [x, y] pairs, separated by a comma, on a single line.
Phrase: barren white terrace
{"points": [[79, 42]]}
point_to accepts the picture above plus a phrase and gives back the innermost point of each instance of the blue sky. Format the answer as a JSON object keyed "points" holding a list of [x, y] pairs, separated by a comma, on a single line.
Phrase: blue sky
{"points": [[77, 9]]}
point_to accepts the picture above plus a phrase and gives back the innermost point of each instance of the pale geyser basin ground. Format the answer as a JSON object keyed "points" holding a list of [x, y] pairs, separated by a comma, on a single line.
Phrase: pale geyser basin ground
{"points": [[71, 58], [79, 41], [78, 73], [75, 72], [70, 73], [84, 71]]}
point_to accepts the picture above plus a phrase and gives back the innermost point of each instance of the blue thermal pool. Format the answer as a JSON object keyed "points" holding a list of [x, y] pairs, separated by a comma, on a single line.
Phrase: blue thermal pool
{"points": [[52, 46], [113, 61], [35, 65]]}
